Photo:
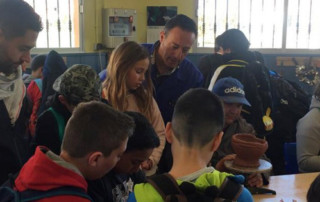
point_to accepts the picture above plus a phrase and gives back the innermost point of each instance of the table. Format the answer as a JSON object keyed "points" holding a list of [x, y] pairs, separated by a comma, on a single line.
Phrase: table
{"points": [[288, 187]]}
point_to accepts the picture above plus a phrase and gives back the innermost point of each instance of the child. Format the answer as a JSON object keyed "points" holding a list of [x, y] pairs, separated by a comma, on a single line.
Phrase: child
{"points": [[232, 94], [53, 67], [128, 87], [195, 134], [116, 185], [95, 137], [36, 67], [80, 83], [34, 89]]}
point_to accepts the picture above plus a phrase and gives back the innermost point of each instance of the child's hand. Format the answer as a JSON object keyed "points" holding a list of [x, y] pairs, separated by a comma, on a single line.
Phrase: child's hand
{"points": [[255, 180], [220, 165], [147, 165]]}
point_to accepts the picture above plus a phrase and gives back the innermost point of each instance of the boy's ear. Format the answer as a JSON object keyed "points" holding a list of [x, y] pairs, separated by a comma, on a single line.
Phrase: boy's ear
{"points": [[94, 158], [62, 99], [169, 132], [162, 35], [216, 141]]}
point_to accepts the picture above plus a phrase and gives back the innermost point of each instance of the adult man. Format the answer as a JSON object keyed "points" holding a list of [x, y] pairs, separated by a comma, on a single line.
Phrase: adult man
{"points": [[19, 28], [172, 74]]}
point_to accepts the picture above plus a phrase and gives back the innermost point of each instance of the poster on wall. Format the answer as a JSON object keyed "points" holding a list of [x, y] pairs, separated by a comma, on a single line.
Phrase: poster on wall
{"points": [[159, 15]]}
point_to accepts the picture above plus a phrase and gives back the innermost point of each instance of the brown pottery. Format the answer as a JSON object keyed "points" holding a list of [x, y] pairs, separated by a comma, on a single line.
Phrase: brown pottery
{"points": [[248, 149]]}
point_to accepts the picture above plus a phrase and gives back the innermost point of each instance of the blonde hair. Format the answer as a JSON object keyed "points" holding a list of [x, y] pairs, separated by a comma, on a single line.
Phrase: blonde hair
{"points": [[121, 61]]}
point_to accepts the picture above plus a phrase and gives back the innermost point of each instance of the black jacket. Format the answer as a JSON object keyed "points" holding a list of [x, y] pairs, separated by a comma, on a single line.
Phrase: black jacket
{"points": [[14, 141], [207, 65], [47, 129], [114, 187], [256, 81]]}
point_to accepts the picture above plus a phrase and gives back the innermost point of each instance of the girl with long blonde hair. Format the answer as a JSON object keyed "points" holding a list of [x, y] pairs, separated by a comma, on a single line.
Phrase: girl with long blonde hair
{"points": [[128, 87]]}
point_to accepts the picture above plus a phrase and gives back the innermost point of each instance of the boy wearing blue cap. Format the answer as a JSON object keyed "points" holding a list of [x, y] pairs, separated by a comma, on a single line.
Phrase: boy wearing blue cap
{"points": [[231, 92]]}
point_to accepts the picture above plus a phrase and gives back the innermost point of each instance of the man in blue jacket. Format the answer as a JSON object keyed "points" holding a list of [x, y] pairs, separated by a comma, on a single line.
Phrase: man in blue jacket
{"points": [[172, 74]]}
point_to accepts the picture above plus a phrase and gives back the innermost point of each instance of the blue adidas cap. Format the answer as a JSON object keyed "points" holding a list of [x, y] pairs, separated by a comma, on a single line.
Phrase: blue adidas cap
{"points": [[230, 90]]}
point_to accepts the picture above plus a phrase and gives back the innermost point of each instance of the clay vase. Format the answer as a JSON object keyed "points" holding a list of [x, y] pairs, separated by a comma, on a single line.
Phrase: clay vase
{"points": [[248, 149]]}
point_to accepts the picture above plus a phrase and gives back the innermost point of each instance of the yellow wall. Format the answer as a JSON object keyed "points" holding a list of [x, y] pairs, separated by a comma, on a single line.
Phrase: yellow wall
{"points": [[93, 16]]}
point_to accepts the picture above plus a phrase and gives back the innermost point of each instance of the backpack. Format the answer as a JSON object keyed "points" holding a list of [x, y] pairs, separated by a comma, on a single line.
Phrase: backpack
{"points": [[8, 194], [60, 121], [256, 81], [170, 191], [35, 106], [291, 103], [39, 84]]}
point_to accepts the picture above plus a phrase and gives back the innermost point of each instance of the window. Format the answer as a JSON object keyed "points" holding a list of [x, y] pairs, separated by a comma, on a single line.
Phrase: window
{"points": [[268, 24], [61, 24]]}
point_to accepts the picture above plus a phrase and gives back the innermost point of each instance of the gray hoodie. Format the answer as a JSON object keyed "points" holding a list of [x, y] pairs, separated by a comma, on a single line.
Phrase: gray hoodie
{"points": [[308, 139]]}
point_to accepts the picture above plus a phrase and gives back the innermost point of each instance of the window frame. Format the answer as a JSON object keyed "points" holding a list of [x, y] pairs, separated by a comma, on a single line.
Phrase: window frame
{"points": [[281, 50], [79, 49]]}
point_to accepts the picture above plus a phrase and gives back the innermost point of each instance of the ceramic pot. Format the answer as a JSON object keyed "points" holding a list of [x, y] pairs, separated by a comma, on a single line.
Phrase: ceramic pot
{"points": [[248, 149]]}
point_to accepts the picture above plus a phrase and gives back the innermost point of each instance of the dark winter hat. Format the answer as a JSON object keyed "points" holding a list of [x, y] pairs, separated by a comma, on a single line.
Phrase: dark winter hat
{"points": [[230, 90], [79, 83], [37, 62]]}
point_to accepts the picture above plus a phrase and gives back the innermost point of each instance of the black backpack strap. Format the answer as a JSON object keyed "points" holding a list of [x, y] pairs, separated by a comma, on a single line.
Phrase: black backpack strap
{"points": [[167, 186], [32, 195], [230, 190]]}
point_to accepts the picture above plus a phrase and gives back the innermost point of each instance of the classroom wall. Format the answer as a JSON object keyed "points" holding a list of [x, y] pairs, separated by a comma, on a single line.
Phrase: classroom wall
{"points": [[93, 16], [93, 33]]}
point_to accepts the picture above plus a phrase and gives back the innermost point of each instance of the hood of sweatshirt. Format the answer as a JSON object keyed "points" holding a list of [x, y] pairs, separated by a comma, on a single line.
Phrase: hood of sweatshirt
{"points": [[45, 170]]}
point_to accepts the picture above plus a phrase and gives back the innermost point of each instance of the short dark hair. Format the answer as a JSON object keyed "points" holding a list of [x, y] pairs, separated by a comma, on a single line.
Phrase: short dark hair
{"points": [[217, 43], [95, 126], [16, 17], [313, 194], [198, 116], [144, 136], [235, 40], [38, 61], [183, 22]]}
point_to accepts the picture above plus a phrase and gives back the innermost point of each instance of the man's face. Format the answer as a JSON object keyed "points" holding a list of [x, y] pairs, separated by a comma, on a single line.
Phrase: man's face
{"points": [[131, 161], [15, 51], [174, 46], [231, 112]]}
